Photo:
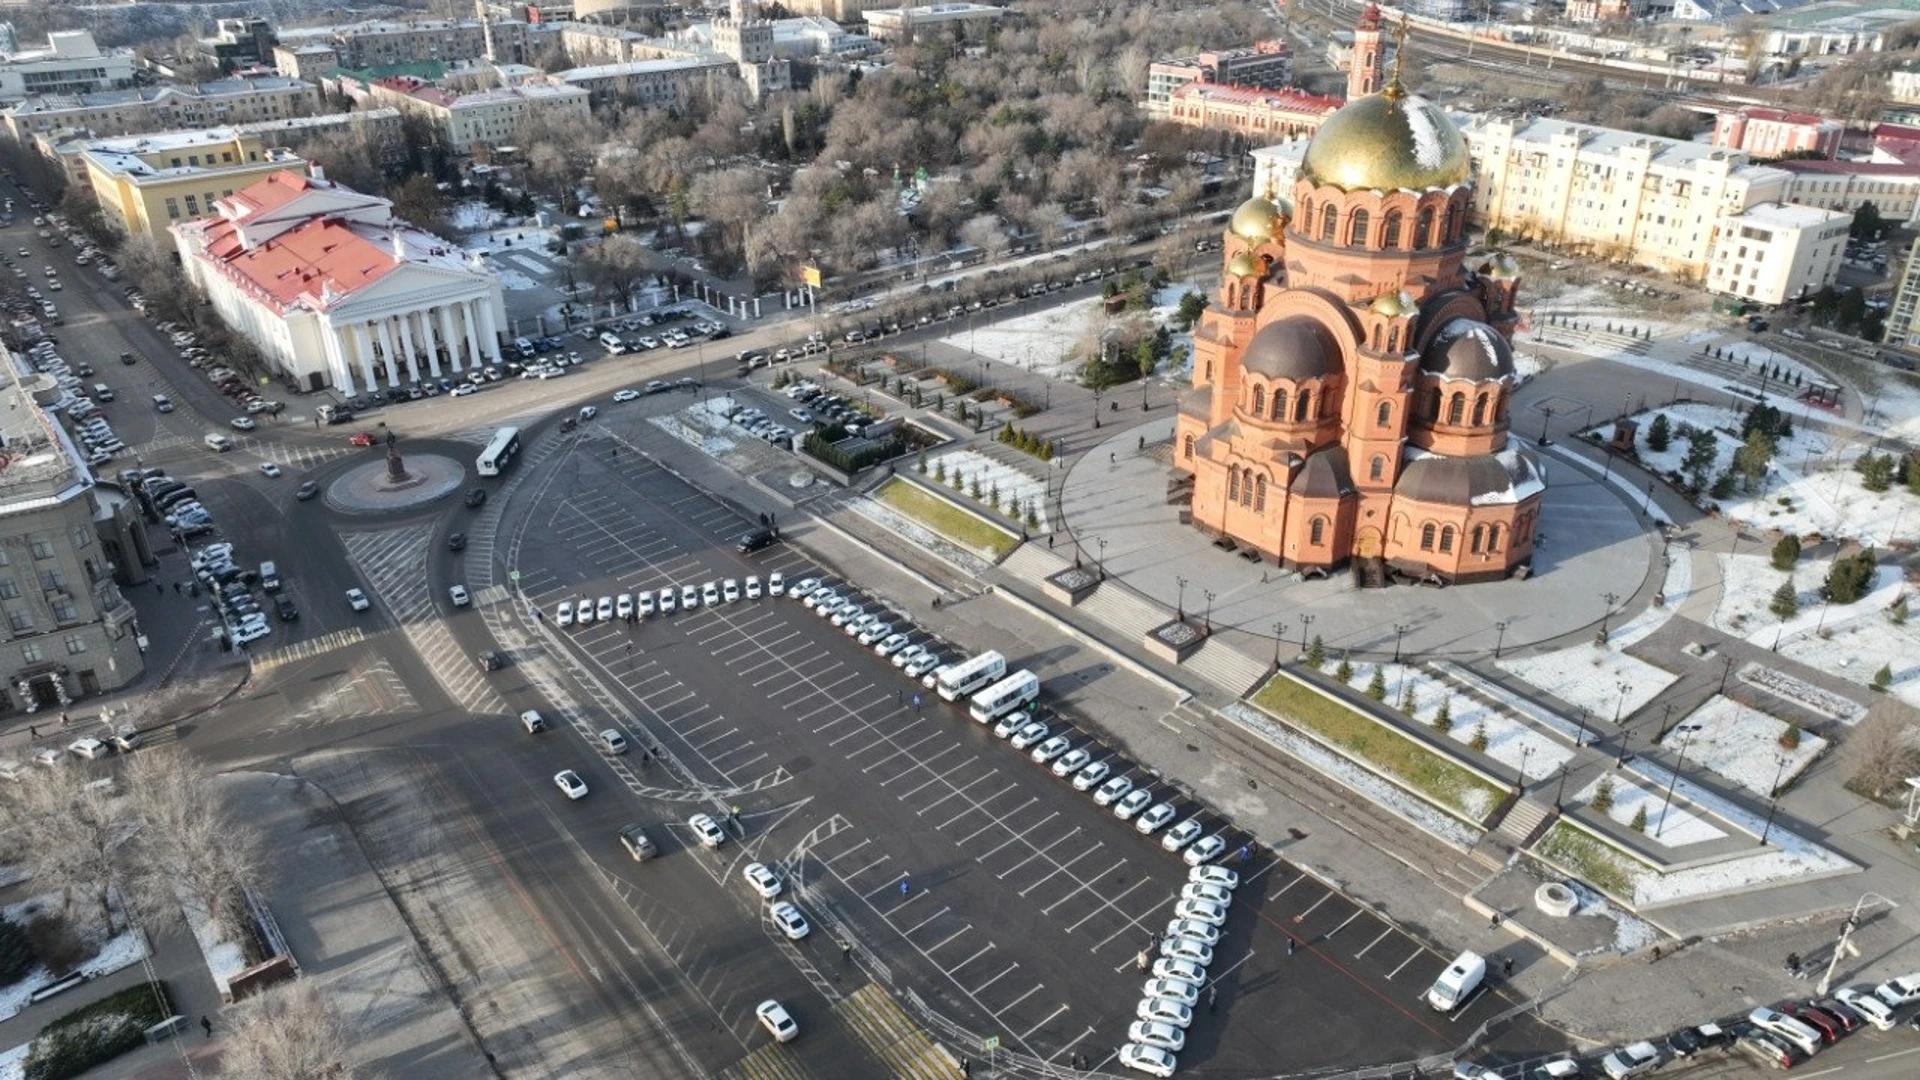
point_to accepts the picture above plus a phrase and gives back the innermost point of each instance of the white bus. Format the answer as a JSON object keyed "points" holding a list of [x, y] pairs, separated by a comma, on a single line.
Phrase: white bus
{"points": [[499, 452], [1010, 693], [956, 681]]}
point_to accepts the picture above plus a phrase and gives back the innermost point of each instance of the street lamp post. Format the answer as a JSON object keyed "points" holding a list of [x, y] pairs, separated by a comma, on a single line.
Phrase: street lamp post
{"points": [[1773, 797], [1501, 638], [1209, 618], [1544, 421], [1846, 932], [1180, 605], [1620, 709], [1611, 599], [1399, 631], [1305, 621], [1102, 564], [1673, 778], [1097, 392], [1279, 632]]}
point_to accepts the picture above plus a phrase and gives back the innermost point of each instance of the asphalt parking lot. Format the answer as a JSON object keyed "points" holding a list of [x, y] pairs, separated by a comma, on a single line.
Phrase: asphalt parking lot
{"points": [[1001, 896]]}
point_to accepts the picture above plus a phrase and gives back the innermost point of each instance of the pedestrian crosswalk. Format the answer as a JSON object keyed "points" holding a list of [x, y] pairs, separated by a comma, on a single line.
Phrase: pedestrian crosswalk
{"points": [[771, 1062], [301, 650], [393, 563], [892, 1037]]}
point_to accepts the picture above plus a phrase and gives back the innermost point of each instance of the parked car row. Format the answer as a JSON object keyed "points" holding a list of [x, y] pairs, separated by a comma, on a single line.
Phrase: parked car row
{"points": [[873, 629], [630, 608], [242, 614], [756, 423], [818, 407]]}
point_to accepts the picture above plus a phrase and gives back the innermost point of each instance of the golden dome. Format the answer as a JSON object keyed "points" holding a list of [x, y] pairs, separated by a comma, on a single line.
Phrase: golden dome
{"points": [[1386, 142], [1394, 304], [1243, 265], [1500, 267], [1255, 221]]}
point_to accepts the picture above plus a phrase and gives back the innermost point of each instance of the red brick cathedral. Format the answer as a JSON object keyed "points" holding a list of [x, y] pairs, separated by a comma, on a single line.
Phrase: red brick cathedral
{"points": [[1351, 379]]}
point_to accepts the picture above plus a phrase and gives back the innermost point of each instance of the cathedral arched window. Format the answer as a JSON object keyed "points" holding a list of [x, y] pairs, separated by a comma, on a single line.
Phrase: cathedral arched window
{"points": [[1377, 468], [1260, 493], [1329, 224], [1476, 539], [1233, 485], [1456, 407], [1279, 404], [1317, 531], [1433, 404], [1383, 416], [1423, 230], [1390, 236], [1446, 540], [1259, 401], [1375, 345], [1246, 489], [1426, 536], [1493, 537], [1479, 410], [1453, 221], [1187, 448], [1303, 406], [1357, 224]]}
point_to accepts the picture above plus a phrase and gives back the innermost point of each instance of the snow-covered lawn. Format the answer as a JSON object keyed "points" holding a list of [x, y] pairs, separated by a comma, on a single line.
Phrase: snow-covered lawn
{"points": [[1018, 489], [700, 426], [1748, 582], [1811, 487], [1856, 646], [1851, 641], [1591, 677], [1682, 826], [1054, 341], [1509, 741], [13, 1061], [109, 955], [1742, 744]]}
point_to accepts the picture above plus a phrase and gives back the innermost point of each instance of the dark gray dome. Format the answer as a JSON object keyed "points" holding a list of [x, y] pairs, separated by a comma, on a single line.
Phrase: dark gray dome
{"points": [[1465, 349], [1296, 347], [1480, 480]]}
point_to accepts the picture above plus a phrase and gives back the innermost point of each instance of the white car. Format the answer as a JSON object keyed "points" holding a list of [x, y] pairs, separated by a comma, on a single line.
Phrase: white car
{"points": [[778, 1022], [1113, 790], [1208, 891], [789, 920], [710, 594], [647, 605], [1154, 818], [926, 662], [1901, 991], [250, 632], [458, 594], [1184, 970], [1172, 990], [612, 742], [804, 588], [357, 600], [88, 748], [463, 390], [1871, 1009], [1186, 948], [626, 395], [563, 615], [1204, 850], [1152, 1033], [1071, 762], [776, 584], [707, 830], [583, 613], [891, 644], [603, 610], [533, 721], [1010, 723], [666, 602], [570, 783], [730, 590], [1204, 932], [242, 423], [1028, 736], [1147, 1059], [1132, 803], [1201, 911], [752, 587], [1165, 1010], [268, 468], [1630, 1060], [857, 625], [1217, 875], [847, 613], [1090, 776], [907, 655], [762, 880], [623, 606], [1050, 749], [690, 597], [874, 632], [1181, 835]]}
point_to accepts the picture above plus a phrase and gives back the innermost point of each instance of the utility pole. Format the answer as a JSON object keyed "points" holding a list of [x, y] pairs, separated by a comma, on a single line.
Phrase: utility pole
{"points": [[1846, 931]]}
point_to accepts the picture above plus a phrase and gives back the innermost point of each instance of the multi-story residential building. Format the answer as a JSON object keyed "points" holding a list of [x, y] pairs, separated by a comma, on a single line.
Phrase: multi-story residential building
{"points": [[63, 539], [1267, 65], [666, 83], [1257, 114], [336, 291], [1893, 188], [164, 108], [144, 183], [308, 61], [1773, 253], [489, 117], [381, 129], [970, 21], [241, 43], [378, 42], [1772, 133], [588, 44], [1903, 330], [840, 11], [71, 63]]}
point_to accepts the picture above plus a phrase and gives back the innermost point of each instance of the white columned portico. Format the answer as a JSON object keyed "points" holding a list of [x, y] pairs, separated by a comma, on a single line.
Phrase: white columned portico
{"points": [[448, 335], [427, 340], [473, 334], [489, 334], [406, 343], [387, 352], [337, 365], [363, 344]]}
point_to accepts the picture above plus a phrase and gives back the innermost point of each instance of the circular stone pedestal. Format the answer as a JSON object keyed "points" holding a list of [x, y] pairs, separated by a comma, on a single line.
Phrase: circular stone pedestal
{"points": [[369, 489]]}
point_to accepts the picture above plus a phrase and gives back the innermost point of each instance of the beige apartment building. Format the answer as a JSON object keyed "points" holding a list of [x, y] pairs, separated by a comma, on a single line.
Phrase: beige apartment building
{"points": [[164, 108], [489, 117], [146, 183]]}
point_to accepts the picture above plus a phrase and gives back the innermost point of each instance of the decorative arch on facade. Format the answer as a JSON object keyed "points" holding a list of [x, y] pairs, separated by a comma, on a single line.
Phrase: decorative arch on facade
{"points": [[1303, 405], [1279, 404], [1186, 448], [1377, 468], [1329, 223], [1383, 414], [1390, 235], [1233, 483], [1260, 493], [1451, 229], [1423, 229], [1476, 539], [1446, 540], [1317, 531], [1456, 407], [1493, 537], [1357, 224], [1427, 532], [1480, 410], [1259, 394]]}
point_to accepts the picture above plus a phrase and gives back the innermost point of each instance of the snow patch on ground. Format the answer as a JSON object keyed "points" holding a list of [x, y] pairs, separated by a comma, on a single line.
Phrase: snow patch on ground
{"points": [[1851, 641], [514, 279], [1590, 677], [1630, 932], [1018, 488], [225, 959], [893, 521], [13, 1062], [1444, 826], [470, 215], [1856, 646], [108, 956], [1742, 744], [700, 426], [1053, 341], [1682, 826], [1509, 741]]}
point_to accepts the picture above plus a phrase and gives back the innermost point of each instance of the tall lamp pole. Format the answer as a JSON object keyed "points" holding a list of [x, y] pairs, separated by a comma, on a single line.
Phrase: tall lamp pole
{"points": [[1846, 932], [1773, 799], [1180, 605], [1544, 421], [1209, 618], [1305, 621], [1279, 632], [1499, 639], [1611, 599], [1399, 631], [1102, 564], [1673, 778]]}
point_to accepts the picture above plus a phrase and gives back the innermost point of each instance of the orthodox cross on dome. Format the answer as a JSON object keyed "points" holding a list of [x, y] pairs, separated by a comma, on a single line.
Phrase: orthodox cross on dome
{"points": [[1394, 87]]}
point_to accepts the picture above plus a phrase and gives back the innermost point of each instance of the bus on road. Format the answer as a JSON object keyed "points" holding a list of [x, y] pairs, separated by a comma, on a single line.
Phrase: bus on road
{"points": [[499, 452]]}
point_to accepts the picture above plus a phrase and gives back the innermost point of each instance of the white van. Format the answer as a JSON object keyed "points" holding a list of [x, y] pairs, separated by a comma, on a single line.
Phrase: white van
{"points": [[218, 443], [612, 342], [1456, 984], [162, 403], [102, 392], [1797, 1032], [269, 577]]}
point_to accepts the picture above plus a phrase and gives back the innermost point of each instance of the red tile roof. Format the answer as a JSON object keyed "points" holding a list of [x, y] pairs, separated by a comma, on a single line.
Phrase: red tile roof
{"points": [[319, 262], [275, 191]]}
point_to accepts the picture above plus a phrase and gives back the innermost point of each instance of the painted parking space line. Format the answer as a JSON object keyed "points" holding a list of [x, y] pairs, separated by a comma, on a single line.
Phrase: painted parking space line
{"points": [[982, 988], [917, 927], [945, 941], [1038, 853], [1081, 886], [1324, 897], [1383, 936], [998, 820], [1410, 959], [984, 950], [831, 860], [1342, 926], [1051, 1017], [907, 748], [869, 866], [1282, 890], [1061, 868], [925, 765], [1013, 836], [1096, 911]]}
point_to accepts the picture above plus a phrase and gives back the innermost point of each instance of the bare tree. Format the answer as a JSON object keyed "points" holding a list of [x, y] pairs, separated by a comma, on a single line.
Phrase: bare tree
{"points": [[290, 1032], [1883, 749], [615, 267], [72, 834], [192, 837]]}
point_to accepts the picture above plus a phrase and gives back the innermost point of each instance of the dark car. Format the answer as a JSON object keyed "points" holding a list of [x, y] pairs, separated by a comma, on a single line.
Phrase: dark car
{"points": [[1829, 1028], [306, 491], [477, 497], [457, 542], [286, 608], [755, 540], [129, 359], [1690, 1041], [492, 661], [1839, 1012]]}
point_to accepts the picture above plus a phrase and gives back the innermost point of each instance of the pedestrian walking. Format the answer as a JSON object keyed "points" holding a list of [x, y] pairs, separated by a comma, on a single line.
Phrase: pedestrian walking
{"points": [[159, 586], [899, 696], [846, 951], [1506, 965], [1493, 921], [176, 588], [736, 812], [65, 721], [1289, 944], [1213, 1000], [207, 1026], [33, 731], [1109, 458], [966, 1066], [906, 887]]}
